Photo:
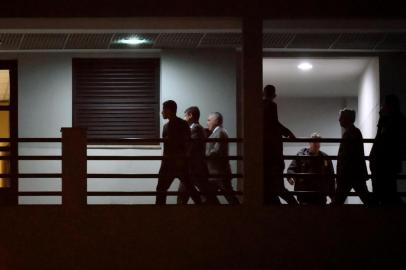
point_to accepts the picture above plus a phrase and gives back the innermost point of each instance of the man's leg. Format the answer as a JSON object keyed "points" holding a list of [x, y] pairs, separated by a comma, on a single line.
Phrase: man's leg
{"points": [[227, 188], [343, 188], [190, 188], [208, 190], [164, 182], [361, 188], [183, 196]]}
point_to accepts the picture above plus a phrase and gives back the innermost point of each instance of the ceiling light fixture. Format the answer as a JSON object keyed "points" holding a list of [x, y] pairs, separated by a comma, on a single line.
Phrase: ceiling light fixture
{"points": [[133, 41], [305, 66]]}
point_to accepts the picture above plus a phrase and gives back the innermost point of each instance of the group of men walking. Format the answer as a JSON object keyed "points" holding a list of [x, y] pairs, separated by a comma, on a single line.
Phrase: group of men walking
{"points": [[202, 168], [312, 172]]}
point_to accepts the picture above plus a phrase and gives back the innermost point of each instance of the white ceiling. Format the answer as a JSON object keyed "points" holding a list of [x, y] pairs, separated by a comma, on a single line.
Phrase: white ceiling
{"points": [[330, 77]]}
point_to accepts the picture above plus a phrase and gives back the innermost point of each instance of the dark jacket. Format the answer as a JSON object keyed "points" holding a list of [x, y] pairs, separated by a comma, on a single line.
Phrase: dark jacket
{"points": [[176, 135], [351, 164], [197, 150], [389, 144], [324, 184], [273, 133]]}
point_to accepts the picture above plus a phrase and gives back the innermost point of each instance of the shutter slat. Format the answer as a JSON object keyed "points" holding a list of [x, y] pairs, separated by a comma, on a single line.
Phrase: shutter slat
{"points": [[117, 98]]}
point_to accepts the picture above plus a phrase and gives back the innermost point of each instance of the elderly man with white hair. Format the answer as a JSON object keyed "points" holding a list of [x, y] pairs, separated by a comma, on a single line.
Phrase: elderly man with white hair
{"points": [[219, 163]]}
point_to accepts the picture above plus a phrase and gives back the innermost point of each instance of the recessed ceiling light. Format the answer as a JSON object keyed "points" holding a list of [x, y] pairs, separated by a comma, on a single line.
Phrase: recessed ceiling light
{"points": [[305, 66], [133, 41]]}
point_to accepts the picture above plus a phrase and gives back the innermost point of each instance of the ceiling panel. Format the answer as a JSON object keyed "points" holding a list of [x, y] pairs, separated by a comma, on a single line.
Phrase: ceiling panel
{"points": [[220, 40], [178, 40], [365, 41], [10, 41], [313, 41], [43, 41], [277, 40], [89, 41]]}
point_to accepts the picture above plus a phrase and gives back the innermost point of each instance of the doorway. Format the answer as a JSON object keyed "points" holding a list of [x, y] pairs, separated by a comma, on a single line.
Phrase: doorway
{"points": [[8, 132]]}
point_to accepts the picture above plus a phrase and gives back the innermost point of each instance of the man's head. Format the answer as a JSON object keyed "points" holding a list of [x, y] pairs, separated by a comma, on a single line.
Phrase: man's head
{"points": [[347, 118], [314, 146], [269, 92], [169, 108], [192, 115], [214, 120]]}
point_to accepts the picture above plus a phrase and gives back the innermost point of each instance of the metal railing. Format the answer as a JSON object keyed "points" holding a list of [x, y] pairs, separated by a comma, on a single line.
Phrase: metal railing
{"points": [[332, 157]]}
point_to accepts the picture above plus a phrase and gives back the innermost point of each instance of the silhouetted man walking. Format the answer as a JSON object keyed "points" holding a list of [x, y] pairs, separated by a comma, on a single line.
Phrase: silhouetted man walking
{"points": [[273, 151], [386, 153], [197, 160], [351, 167], [218, 152], [176, 135]]}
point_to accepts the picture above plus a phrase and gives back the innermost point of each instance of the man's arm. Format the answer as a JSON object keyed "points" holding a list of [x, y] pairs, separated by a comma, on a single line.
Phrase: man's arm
{"points": [[217, 146], [286, 132], [293, 168]]}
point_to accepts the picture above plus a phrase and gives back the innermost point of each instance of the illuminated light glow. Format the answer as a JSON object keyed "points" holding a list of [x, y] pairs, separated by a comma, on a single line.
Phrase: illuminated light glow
{"points": [[305, 66], [133, 41]]}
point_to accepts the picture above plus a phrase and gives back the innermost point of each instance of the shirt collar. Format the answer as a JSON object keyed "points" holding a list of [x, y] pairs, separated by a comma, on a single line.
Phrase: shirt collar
{"points": [[216, 129]]}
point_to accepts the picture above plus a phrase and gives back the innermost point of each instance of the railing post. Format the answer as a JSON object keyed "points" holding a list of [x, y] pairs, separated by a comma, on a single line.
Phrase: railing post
{"points": [[74, 167]]}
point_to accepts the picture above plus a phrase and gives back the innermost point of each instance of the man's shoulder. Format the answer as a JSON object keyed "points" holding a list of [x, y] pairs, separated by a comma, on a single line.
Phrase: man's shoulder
{"points": [[323, 154]]}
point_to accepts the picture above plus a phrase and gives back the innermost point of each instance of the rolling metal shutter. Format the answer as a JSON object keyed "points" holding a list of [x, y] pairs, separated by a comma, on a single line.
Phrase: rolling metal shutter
{"points": [[116, 98]]}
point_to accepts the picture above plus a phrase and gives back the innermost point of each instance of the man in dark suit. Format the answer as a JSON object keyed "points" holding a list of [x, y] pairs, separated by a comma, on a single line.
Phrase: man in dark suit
{"points": [[176, 135], [197, 160], [387, 152], [218, 163], [351, 166], [273, 151]]}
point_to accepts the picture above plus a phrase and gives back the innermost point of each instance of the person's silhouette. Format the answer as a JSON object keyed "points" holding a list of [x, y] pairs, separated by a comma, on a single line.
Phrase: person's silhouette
{"points": [[273, 151], [176, 135], [351, 167], [386, 153]]}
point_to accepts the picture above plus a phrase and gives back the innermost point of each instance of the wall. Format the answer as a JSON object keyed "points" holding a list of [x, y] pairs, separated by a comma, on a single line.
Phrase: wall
{"points": [[198, 77], [369, 104]]}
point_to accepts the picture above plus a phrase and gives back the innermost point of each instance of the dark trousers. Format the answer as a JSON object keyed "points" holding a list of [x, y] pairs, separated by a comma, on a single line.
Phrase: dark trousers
{"points": [[273, 183], [168, 172], [344, 187], [206, 189], [224, 185], [385, 188]]}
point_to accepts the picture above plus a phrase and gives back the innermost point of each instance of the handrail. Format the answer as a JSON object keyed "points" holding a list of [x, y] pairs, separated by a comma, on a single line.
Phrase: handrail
{"points": [[324, 140], [27, 140], [148, 193], [150, 175], [154, 140], [399, 176], [154, 158]]}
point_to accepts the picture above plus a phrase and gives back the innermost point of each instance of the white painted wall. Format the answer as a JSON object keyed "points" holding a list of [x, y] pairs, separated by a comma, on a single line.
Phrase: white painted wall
{"points": [[198, 77], [369, 96], [304, 116]]}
